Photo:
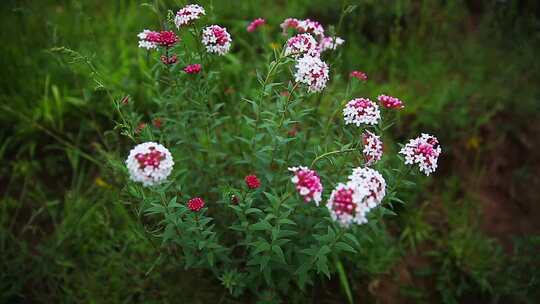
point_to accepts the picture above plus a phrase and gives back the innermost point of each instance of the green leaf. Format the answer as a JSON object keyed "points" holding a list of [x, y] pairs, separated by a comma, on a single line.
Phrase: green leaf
{"points": [[279, 252], [345, 247], [262, 225]]}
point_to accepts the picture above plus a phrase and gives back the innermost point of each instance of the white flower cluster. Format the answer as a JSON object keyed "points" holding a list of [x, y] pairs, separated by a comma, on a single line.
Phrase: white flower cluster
{"points": [[361, 110], [313, 72], [351, 202], [330, 43], [144, 41], [424, 151], [216, 39], [188, 14], [301, 44], [149, 163], [373, 148], [310, 26]]}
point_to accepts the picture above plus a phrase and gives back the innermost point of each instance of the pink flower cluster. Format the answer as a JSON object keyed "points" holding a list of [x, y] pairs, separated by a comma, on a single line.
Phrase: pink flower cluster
{"points": [[252, 181], [149, 163], [359, 75], [255, 24], [303, 26], [308, 183], [361, 111], [424, 151], [390, 102], [151, 40], [195, 204], [373, 148], [300, 45], [193, 68], [313, 72], [216, 39]]}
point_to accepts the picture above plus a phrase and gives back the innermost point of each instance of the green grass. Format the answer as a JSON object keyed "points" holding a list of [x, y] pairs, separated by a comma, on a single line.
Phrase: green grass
{"points": [[67, 236]]}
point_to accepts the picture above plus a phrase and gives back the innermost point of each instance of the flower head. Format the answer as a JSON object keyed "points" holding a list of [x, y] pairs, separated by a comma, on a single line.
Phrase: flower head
{"points": [[346, 204], [361, 110], [302, 44], [216, 39], [373, 148], [390, 102], [193, 68], [252, 181], [424, 151], [359, 75], [308, 183], [255, 24], [289, 23], [330, 43], [149, 163], [150, 40], [313, 72], [373, 181], [310, 26], [187, 14], [195, 204]]}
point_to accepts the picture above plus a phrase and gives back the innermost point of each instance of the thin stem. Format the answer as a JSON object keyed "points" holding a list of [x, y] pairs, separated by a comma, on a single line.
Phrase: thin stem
{"points": [[282, 120], [331, 153]]}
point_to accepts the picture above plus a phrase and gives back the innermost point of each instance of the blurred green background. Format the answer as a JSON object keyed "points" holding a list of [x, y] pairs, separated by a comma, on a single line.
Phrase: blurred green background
{"points": [[468, 71]]}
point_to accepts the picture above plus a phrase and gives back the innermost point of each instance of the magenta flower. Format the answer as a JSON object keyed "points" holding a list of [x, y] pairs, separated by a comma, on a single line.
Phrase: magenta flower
{"points": [[193, 68], [359, 75], [390, 102], [195, 204], [308, 183], [255, 24]]}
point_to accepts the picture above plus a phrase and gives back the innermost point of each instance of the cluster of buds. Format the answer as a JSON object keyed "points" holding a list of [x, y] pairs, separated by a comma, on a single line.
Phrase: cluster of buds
{"points": [[193, 68], [255, 24], [390, 102], [359, 75]]}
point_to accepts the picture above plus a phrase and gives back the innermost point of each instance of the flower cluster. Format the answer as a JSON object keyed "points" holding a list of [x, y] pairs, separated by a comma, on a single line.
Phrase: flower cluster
{"points": [[216, 39], [330, 43], [149, 163], [302, 44], [424, 151], [193, 68], [252, 181], [361, 110], [390, 102], [303, 26], [255, 24], [313, 72], [195, 204], [359, 75], [351, 202], [373, 148], [151, 40], [188, 14], [308, 183], [306, 47]]}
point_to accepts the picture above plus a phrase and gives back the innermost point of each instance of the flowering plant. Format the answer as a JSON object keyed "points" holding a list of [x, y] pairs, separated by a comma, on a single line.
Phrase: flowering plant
{"points": [[267, 192]]}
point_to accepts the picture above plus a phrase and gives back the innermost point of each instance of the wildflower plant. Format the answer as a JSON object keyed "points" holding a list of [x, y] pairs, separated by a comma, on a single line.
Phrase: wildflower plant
{"points": [[267, 192]]}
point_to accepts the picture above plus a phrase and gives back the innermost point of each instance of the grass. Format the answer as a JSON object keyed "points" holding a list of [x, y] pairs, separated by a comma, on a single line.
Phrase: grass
{"points": [[469, 76]]}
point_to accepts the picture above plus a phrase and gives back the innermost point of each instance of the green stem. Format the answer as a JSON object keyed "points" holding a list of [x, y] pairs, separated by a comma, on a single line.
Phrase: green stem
{"points": [[331, 153]]}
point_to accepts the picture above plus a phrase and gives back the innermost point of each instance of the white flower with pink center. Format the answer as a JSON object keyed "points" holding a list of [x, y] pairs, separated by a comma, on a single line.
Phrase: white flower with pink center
{"points": [[308, 184], [373, 181], [330, 43], [346, 204], [188, 14], [424, 151], [310, 26], [149, 163], [361, 110], [216, 39], [373, 148], [302, 44], [313, 72]]}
